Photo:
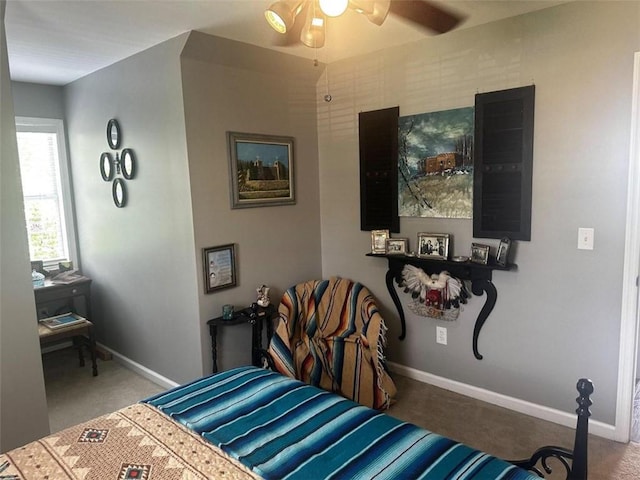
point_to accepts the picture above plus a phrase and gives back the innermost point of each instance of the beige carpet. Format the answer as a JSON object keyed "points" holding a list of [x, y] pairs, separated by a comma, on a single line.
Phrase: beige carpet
{"points": [[74, 396], [505, 433]]}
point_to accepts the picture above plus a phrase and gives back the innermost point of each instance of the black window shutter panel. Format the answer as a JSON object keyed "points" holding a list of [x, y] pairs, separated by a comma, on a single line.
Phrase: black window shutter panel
{"points": [[503, 163], [379, 169]]}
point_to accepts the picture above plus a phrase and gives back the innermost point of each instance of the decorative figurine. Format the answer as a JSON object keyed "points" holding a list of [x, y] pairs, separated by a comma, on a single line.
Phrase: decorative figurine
{"points": [[263, 296]]}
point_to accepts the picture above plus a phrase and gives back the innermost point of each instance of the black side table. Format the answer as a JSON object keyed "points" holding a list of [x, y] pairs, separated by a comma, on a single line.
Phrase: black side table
{"points": [[255, 315]]}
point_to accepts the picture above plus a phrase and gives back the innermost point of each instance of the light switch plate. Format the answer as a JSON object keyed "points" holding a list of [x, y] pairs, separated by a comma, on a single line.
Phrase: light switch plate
{"points": [[585, 238]]}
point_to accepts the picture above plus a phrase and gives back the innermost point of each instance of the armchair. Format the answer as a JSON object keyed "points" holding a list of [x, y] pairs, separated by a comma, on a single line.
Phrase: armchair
{"points": [[331, 335]]}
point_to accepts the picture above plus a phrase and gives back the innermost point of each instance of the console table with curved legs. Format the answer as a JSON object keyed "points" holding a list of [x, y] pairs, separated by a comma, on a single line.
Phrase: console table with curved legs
{"points": [[479, 275]]}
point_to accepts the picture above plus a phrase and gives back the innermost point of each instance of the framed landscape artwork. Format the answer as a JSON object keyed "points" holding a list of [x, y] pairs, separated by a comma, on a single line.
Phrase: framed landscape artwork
{"points": [[435, 164], [261, 169]]}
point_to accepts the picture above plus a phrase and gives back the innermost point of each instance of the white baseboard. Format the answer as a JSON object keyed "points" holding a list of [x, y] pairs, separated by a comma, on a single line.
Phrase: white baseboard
{"points": [[521, 406], [141, 369]]}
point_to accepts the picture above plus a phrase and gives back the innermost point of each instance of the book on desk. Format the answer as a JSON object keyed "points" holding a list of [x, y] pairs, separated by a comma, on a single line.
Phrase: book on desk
{"points": [[62, 321], [68, 277]]}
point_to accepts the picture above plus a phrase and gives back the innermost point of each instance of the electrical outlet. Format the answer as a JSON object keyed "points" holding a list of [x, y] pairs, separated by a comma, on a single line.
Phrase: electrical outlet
{"points": [[441, 335]]}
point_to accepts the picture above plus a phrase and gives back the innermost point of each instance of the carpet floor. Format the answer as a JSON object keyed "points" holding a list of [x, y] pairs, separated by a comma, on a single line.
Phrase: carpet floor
{"points": [[74, 396]]}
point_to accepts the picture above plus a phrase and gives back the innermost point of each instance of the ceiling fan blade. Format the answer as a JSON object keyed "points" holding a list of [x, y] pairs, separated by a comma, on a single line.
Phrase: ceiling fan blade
{"points": [[425, 14], [292, 36]]}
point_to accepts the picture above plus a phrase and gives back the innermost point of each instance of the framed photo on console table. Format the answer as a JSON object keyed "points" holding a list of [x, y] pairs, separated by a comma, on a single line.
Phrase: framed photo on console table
{"points": [[219, 266], [261, 170], [379, 241], [502, 257], [480, 253], [433, 245], [397, 246]]}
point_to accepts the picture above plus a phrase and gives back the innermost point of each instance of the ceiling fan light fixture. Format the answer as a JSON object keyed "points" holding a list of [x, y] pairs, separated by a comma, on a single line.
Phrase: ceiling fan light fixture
{"points": [[313, 31], [281, 14], [362, 6], [275, 21], [380, 11], [333, 8]]}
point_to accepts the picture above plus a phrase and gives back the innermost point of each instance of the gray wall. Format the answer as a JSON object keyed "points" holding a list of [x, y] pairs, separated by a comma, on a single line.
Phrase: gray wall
{"points": [[558, 316], [145, 259], [23, 405], [231, 86], [141, 257], [35, 100]]}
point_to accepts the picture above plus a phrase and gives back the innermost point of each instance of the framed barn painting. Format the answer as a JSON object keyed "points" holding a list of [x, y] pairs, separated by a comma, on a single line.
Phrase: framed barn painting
{"points": [[435, 164], [261, 170]]}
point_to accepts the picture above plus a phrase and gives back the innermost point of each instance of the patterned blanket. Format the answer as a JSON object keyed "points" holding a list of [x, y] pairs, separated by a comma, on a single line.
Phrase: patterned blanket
{"points": [[137, 442], [332, 336], [282, 428]]}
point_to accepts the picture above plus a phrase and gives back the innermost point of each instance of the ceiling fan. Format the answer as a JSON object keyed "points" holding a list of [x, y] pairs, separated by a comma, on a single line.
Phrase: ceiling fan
{"points": [[305, 20]]}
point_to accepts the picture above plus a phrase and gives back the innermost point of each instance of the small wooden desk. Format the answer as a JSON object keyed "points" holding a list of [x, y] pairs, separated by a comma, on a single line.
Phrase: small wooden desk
{"points": [[57, 292], [80, 333]]}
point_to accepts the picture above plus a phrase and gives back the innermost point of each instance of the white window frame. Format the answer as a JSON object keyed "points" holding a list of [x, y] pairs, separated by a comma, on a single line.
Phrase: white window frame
{"points": [[55, 125]]}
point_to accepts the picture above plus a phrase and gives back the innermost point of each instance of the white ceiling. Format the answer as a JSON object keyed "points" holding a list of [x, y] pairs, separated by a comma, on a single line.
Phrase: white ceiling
{"points": [[58, 41]]}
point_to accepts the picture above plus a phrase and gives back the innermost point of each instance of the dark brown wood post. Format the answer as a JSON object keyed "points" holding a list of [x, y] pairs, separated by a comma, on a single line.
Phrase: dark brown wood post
{"points": [[579, 465]]}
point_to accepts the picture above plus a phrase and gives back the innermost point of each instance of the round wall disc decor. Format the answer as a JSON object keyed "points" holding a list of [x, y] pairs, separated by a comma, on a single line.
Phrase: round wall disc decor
{"points": [[112, 164], [119, 192], [128, 163], [106, 167], [114, 137]]}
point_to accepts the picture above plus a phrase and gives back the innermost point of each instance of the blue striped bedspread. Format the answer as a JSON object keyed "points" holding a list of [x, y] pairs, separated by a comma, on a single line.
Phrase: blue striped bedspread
{"points": [[282, 428]]}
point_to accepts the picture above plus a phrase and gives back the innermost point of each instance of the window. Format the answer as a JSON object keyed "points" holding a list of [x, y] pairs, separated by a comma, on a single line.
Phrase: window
{"points": [[46, 190]]}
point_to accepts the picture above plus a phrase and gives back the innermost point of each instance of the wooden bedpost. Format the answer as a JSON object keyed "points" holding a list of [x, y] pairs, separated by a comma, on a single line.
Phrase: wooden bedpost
{"points": [[579, 464]]}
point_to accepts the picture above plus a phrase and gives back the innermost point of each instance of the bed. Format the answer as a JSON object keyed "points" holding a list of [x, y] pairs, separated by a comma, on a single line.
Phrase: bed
{"points": [[251, 423]]}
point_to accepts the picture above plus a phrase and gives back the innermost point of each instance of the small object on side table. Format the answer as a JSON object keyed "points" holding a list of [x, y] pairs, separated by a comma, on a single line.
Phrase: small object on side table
{"points": [[37, 279], [263, 296], [227, 312]]}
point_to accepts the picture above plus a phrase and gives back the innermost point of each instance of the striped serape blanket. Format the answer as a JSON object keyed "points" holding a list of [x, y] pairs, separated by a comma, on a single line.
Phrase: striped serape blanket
{"points": [[331, 335], [282, 428]]}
